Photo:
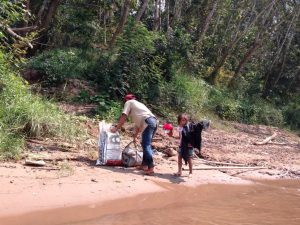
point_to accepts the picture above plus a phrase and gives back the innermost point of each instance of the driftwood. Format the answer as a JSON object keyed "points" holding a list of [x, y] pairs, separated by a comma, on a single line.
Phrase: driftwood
{"points": [[46, 168], [170, 152], [267, 140], [226, 168], [277, 143], [208, 162], [35, 162], [157, 139], [222, 163]]}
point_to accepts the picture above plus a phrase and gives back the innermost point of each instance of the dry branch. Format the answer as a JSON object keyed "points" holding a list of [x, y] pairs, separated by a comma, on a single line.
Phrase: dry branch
{"points": [[277, 143], [24, 29], [14, 35], [46, 168], [222, 163], [208, 162], [227, 168], [267, 140]]}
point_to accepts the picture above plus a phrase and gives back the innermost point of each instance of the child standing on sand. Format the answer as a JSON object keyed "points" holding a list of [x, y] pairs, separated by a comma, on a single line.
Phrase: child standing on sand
{"points": [[186, 149], [190, 138]]}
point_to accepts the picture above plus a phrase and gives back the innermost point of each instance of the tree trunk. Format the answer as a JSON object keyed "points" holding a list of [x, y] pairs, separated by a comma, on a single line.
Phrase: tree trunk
{"points": [[212, 79], [122, 22], [282, 64], [50, 13], [25, 24], [216, 26], [238, 35], [268, 83], [41, 12], [141, 11], [175, 10], [156, 15], [203, 30], [167, 7], [159, 16], [256, 44], [245, 59], [105, 29]]}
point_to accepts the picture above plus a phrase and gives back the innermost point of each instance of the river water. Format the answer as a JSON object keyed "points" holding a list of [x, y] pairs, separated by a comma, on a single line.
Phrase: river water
{"points": [[267, 203], [276, 202]]}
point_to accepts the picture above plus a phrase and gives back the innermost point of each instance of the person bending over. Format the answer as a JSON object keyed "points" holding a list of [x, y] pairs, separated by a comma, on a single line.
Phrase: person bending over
{"points": [[145, 122]]}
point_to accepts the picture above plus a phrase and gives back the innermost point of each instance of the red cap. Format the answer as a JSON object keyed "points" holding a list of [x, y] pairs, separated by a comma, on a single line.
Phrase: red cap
{"points": [[129, 97], [168, 126]]}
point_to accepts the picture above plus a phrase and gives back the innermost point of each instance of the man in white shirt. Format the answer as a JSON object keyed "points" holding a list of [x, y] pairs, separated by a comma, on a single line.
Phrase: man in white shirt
{"points": [[145, 122]]}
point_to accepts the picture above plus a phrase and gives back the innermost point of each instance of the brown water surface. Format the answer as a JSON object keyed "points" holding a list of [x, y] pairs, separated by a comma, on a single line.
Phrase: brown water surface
{"points": [[273, 203]]}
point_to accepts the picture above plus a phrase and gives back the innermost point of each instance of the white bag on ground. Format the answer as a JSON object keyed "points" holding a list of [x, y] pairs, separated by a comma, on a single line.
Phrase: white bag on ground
{"points": [[132, 156], [110, 153]]}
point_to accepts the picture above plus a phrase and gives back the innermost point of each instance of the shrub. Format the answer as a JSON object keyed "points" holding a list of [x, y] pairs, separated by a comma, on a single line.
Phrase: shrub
{"points": [[107, 109], [292, 115], [266, 113], [186, 94], [60, 64], [231, 106]]}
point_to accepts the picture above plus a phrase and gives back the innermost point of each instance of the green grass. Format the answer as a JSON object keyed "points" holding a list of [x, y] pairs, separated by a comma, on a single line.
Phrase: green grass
{"points": [[23, 114]]}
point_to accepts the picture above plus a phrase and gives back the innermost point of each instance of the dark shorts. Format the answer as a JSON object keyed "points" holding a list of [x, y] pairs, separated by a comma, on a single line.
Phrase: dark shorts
{"points": [[190, 149]]}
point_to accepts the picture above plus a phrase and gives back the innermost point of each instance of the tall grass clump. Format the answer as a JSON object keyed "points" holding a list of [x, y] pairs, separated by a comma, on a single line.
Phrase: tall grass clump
{"points": [[23, 114]]}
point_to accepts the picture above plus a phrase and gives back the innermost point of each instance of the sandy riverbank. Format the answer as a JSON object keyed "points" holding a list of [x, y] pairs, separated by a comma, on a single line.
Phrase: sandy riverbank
{"points": [[78, 181], [25, 189], [172, 203]]}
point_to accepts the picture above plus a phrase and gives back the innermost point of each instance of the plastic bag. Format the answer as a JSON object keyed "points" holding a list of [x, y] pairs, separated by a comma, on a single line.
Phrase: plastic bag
{"points": [[131, 156], [110, 153]]}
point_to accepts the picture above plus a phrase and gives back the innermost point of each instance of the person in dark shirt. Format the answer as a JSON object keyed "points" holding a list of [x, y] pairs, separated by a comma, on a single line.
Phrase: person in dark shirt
{"points": [[186, 149], [190, 138]]}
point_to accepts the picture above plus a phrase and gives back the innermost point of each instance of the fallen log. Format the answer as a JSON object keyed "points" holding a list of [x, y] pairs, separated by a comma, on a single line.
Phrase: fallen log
{"points": [[226, 168], [268, 139]]}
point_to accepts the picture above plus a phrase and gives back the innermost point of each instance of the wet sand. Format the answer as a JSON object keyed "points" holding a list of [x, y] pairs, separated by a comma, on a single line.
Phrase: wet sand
{"points": [[264, 202], [25, 189]]}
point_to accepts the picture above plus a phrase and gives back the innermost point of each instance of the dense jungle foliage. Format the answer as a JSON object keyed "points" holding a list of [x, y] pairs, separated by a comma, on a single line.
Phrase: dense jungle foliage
{"points": [[235, 60]]}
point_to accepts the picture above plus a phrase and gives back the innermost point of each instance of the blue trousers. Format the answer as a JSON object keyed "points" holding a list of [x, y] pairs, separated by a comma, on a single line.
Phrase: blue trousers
{"points": [[147, 136]]}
